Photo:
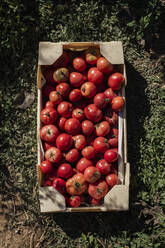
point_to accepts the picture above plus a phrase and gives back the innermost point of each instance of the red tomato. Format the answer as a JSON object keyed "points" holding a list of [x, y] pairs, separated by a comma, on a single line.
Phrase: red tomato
{"points": [[98, 189], [51, 176], [72, 126], [72, 155], [110, 156], [76, 79], [65, 109], [61, 123], [115, 81], [55, 97], [79, 141], [76, 185], [112, 180], [95, 202], [79, 64], [87, 127], [103, 166], [82, 164], [102, 128], [63, 60], [88, 90], [104, 65], [92, 174], [49, 133], [47, 183], [47, 88], [110, 94], [48, 116], [65, 171], [53, 155], [75, 95], [88, 152], [93, 113], [78, 114], [64, 142], [95, 76], [60, 185], [74, 201], [46, 167], [111, 117], [100, 144], [48, 75], [117, 103], [91, 55], [113, 142], [48, 145], [61, 75], [63, 89], [114, 132], [49, 104], [101, 101]]}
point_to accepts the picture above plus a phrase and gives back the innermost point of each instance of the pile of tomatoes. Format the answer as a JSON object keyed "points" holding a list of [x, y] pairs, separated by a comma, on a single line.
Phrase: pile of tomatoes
{"points": [[79, 126]]}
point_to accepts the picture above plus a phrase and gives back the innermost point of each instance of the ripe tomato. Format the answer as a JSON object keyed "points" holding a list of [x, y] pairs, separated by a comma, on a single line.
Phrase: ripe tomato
{"points": [[101, 101], [46, 167], [78, 114], [65, 109], [113, 142], [63, 89], [104, 65], [93, 113], [95, 76], [49, 104], [110, 94], [60, 185], [61, 75], [92, 174], [112, 180], [74, 201], [65, 171], [82, 164], [91, 55], [98, 189], [64, 142], [117, 103], [72, 126], [88, 152], [111, 117], [110, 156], [76, 185], [87, 127], [79, 141], [76, 79], [49, 133], [53, 155], [61, 123], [47, 183], [72, 155], [102, 128], [55, 97], [95, 202], [48, 75], [51, 176], [48, 116], [48, 145], [79, 64], [100, 144], [115, 81], [63, 60], [103, 166], [47, 88], [75, 95], [88, 90]]}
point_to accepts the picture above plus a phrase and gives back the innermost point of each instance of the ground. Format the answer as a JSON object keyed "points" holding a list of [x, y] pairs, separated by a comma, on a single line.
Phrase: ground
{"points": [[140, 26]]}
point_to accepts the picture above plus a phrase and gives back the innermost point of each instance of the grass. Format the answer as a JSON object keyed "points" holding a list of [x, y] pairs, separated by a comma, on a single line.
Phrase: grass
{"points": [[139, 25]]}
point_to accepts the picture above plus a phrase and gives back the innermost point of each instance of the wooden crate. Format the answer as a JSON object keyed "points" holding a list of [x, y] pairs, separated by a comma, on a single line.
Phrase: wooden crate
{"points": [[117, 199]]}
